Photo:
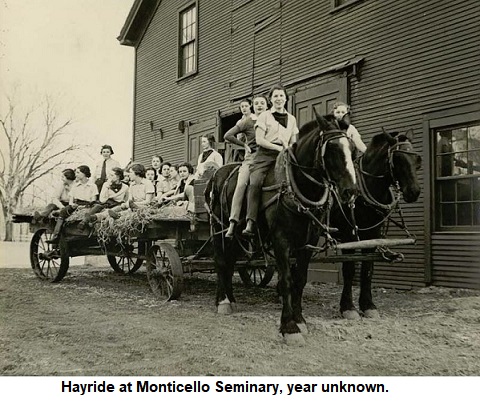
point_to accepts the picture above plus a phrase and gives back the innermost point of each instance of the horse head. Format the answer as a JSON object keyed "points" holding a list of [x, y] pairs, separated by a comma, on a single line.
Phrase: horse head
{"points": [[334, 153], [391, 154]]}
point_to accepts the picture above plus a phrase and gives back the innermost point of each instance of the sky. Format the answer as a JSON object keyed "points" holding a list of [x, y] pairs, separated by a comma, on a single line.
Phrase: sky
{"points": [[68, 49]]}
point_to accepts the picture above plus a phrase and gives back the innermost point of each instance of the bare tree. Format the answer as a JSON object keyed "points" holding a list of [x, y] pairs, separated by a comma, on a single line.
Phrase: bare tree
{"points": [[32, 144]]}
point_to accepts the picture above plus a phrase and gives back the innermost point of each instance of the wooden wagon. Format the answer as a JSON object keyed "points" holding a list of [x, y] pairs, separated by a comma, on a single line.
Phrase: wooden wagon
{"points": [[171, 247]]}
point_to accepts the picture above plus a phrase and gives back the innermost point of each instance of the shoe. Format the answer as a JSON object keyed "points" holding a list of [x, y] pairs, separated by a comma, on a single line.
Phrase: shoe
{"points": [[113, 214], [37, 218], [132, 205], [231, 230], [91, 220], [55, 239], [249, 230]]}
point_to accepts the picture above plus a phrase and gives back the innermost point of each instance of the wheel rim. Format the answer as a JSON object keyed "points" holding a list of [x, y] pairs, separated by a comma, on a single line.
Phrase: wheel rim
{"points": [[163, 272], [256, 276], [48, 262], [44, 262], [129, 261]]}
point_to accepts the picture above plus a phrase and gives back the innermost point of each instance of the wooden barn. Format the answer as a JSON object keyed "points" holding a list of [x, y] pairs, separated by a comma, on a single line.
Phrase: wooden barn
{"points": [[400, 64]]}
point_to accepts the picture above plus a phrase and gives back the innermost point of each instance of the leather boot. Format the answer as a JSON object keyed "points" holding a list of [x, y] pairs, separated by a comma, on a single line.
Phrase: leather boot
{"points": [[231, 229], [56, 232], [250, 229]]}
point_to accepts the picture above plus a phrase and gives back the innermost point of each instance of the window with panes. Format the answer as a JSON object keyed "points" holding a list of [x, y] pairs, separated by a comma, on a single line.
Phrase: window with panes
{"points": [[457, 177], [188, 41]]}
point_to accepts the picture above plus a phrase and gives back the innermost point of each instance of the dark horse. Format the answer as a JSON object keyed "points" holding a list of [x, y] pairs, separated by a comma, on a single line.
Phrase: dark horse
{"points": [[388, 168], [296, 195]]}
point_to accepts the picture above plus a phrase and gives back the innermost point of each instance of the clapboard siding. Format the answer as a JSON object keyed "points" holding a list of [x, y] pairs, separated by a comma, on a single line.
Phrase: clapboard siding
{"points": [[418, 57], [456, 259]]}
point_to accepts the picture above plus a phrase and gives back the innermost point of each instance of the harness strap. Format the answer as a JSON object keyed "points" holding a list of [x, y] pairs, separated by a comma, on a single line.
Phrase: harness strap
{"points": [[294, 187], [362, 185]]}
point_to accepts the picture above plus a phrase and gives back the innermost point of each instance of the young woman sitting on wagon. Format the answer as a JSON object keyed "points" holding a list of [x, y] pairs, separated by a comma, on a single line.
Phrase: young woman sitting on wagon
{"points": [[114, 193], [140, 193], [60, 198], [83, 194], [183, 193]]}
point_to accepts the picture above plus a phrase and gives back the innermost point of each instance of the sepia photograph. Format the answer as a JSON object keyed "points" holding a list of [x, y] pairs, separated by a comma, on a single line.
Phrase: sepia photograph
{"points": [[240, 188]]}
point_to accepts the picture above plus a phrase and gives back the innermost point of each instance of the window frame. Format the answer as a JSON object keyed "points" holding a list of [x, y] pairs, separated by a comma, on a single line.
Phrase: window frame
{"points": [[181, 46], [336, 6], [455, 117]]}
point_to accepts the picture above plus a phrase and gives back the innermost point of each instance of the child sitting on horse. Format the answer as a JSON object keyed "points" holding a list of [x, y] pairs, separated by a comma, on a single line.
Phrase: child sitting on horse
{"points": [[275, 130], [247, 127], [340, 111]]}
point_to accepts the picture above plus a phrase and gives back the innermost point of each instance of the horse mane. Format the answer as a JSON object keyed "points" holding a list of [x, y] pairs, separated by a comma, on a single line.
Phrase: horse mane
{"points": [[313, 125], [308, 128]]}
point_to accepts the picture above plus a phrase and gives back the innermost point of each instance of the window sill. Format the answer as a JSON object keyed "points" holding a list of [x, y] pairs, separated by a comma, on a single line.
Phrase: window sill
{"points": [[344, 6], [189, 75]]}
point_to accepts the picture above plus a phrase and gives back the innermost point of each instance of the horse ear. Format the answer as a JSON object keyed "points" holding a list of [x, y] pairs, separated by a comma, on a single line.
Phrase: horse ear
{"points": [[389, 136], [409, 134], [319, 118]]}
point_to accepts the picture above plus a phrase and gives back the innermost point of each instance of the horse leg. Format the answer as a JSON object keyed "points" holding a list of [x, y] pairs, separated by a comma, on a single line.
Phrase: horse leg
{"points": [[366, 300], [347, 308], [224, 270], [288, 327], [299, 276]]}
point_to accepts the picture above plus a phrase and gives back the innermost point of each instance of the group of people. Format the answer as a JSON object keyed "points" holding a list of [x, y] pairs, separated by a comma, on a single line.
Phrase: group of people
{"points": [[262, 133], [113, 191], [266, 132]]}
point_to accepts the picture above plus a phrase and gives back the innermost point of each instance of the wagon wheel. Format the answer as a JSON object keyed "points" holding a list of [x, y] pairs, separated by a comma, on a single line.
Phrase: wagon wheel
{"points": [[257, 276], [127, 260], [48, 262], [164, 271]]}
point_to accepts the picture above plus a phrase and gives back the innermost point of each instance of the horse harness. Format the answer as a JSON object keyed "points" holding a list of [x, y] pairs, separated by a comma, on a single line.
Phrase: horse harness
{"points": [[290, 192], [386, 210]]}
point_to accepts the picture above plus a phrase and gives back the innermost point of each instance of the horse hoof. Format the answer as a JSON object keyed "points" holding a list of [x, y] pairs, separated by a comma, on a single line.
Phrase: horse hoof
{"points": [[303, 328], [371, 314], [350, 315], [225, 309], [294, 339]]}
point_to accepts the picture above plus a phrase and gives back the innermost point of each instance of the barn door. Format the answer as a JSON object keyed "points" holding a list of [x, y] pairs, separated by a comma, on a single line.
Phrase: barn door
{"points": [[195, 132], [321, 97]]}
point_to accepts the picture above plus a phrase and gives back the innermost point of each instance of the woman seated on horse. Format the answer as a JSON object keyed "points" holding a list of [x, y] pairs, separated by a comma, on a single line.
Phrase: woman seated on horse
{"points": [[114, 193], [140, 193], [83, 194], [61, 196], [247, 127], [341, 111], [275, 130]]}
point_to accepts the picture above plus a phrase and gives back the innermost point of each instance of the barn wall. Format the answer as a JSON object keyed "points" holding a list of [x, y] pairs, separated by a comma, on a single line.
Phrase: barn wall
{"points": [[418, 57]]}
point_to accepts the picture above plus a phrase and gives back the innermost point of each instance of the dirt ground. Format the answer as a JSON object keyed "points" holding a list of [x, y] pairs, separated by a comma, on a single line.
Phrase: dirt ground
{"points": [[96, 322]]}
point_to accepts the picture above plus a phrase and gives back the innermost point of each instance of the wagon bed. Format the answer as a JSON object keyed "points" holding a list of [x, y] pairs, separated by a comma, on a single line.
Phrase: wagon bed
{"points": [[170, 246]]}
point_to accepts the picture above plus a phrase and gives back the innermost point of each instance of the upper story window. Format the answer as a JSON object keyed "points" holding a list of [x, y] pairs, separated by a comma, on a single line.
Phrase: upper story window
{"points": [[188, 41], [457, 176], [339, 4]]}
